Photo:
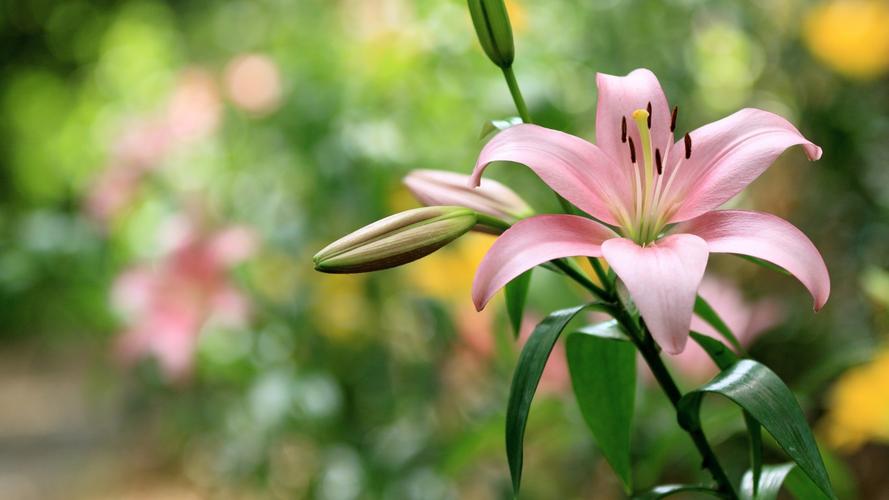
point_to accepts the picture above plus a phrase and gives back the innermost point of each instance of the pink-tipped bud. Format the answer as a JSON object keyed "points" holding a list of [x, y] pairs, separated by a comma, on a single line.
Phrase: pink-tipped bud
{"points": [[438, 187], [395, 240]]}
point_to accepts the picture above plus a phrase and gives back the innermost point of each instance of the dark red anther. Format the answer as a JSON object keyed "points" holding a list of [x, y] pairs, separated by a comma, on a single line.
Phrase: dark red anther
{"points": [[673, 118], [632, 150], [649, 115], [687, 146], [623, 129], [657, 161]]}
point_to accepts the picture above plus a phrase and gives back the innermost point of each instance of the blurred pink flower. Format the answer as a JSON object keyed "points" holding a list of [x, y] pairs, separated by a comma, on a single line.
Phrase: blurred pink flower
{"points": [[167, 303], [195, 108], [476, 330], [193, 112], [253, 82], [746, 320]]}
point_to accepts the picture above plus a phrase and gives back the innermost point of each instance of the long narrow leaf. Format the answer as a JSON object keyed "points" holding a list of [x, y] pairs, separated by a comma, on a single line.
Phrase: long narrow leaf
{"points": [[602, 363], [530, 366], [724, 359], [760, 392], [708, 314]]}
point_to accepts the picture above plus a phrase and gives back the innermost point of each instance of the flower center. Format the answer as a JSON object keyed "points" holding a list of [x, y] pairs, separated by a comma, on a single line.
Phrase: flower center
{"points": [[652, 205]]}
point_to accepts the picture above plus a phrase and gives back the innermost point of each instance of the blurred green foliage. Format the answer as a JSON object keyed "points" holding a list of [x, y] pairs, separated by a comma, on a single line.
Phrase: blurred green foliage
{"points": [[385, 386]]}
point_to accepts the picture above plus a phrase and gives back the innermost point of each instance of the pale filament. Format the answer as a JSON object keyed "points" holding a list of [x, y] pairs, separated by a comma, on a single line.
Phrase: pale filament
{"points": [[650, 195]]}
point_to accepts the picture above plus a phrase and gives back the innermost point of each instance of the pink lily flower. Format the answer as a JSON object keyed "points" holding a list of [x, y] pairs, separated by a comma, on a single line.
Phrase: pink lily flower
{"points": [[167, 304], [653, 200]]}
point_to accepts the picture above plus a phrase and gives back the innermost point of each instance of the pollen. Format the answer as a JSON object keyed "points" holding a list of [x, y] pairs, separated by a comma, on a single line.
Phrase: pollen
{"points": [[640, 114], [623, 129]]}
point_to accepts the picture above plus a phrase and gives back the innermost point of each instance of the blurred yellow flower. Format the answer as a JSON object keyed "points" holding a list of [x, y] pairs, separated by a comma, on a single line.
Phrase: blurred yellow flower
{"points": [[859, 406], [850, 36], [339, 304], [448, 273], [518, 15]]}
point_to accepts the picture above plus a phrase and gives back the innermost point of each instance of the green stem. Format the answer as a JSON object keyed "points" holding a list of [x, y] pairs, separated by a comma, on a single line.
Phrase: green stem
{"points": [[600, 272], [650, 351], [575, 273], [492, 222], [516, 94], [522, 108]]}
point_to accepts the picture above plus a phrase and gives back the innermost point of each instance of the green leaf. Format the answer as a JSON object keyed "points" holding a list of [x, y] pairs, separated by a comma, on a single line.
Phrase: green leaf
{"points": [[706, 313], [602, 363], [667, 490], [718, 352], [724, 359], [773, 477], [530, 366], [754, 430], [492, 126], [516, 293], [760, 392], [764, 263]]}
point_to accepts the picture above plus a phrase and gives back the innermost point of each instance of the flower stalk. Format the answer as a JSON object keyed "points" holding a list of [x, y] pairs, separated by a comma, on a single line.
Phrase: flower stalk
{"points": [[650, 351]]}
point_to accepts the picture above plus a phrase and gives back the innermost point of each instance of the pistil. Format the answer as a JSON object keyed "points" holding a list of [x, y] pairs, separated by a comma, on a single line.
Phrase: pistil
{"points": [[642, 118]]}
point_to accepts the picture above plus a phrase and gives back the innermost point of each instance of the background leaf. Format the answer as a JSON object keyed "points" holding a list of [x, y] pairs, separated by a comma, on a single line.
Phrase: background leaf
{"points": [[757, 390], [773, 477], [666, 490], [516, 294], [530, 366], [491, 127], [603, 374]]}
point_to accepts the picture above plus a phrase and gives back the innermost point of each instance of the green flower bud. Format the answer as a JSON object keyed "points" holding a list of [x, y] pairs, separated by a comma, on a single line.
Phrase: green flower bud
{"points": [[396, 240], [494, 32]]}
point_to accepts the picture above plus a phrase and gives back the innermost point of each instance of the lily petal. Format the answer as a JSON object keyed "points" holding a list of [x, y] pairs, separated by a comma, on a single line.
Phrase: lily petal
{"points": [[531, 242], [726, 156], [765, 237], [573, 167], [439, 187], [618, 97], [663, 280]]}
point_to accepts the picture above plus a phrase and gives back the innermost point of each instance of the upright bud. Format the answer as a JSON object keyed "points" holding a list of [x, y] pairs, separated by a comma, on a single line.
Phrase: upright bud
{"points": [[438, 187], [491, 23], [395, 240]]}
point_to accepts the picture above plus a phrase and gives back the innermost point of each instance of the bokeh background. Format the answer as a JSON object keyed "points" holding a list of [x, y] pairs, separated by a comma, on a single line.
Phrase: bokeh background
{"points": [[167, 170]]}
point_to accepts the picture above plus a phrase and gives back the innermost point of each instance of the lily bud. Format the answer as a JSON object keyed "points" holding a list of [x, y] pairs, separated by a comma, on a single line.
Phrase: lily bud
{"points": [[395, 240], [438, 187], [494, 32]]}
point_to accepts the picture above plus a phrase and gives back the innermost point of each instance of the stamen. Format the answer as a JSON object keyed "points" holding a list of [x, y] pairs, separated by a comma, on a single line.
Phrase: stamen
{"points": [[632, 150], [673, 119], [687, 146], [649, 115], [657, 161], [623, 129]]}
